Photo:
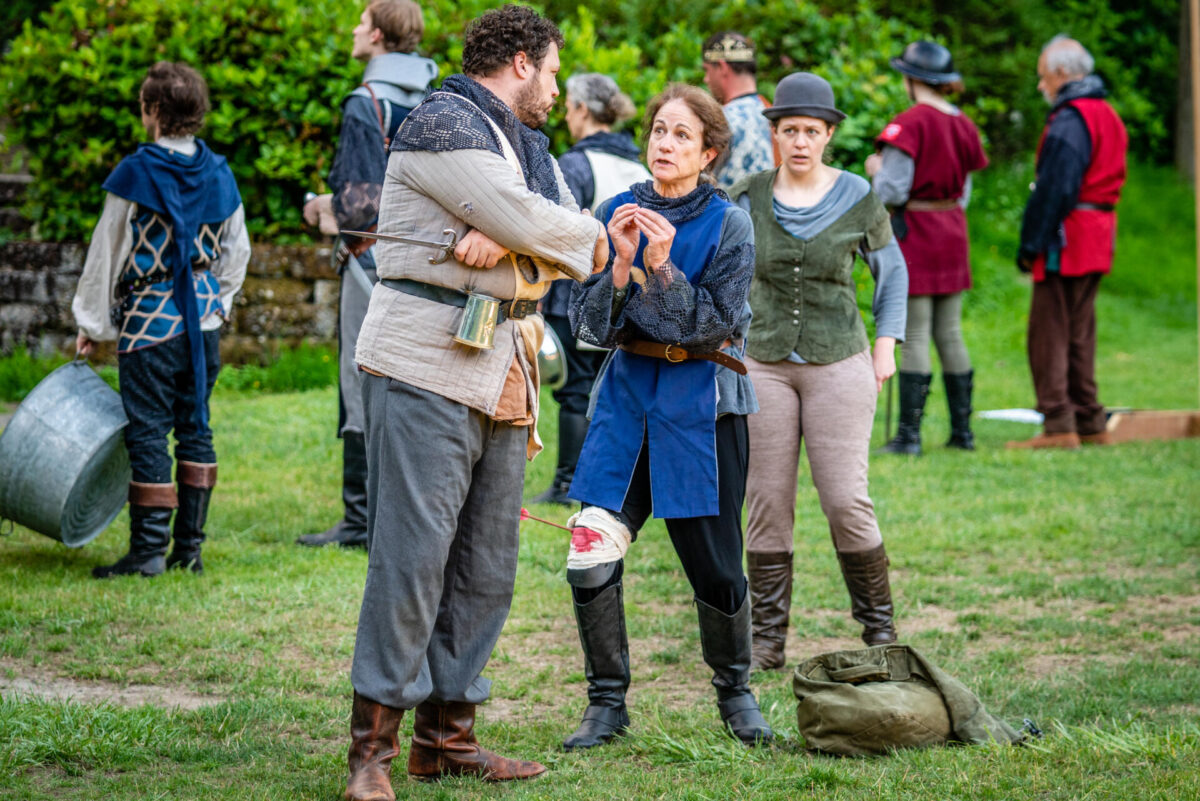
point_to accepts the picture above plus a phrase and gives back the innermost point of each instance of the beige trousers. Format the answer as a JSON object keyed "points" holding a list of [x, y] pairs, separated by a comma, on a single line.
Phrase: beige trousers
{"points": [[831, 407]]}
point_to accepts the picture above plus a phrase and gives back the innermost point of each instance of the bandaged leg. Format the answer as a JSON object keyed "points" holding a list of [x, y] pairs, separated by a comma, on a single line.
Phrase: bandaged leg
{"points": [[598, 544]]}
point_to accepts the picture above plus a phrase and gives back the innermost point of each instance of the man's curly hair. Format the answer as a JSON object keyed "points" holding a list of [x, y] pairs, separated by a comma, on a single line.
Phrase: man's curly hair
{"points": [[495, 37]]}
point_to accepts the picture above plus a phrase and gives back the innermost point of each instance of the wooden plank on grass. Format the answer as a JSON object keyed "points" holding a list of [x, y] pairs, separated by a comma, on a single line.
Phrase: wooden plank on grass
{"points": [[1141, 425]]}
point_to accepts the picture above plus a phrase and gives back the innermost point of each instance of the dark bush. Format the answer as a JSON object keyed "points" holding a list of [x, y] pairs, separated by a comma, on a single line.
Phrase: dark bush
{"points": [[277, 70]]}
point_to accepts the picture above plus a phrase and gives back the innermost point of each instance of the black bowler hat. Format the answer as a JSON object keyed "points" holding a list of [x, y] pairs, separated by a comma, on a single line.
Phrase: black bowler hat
{"points": [[928, 62], [803, 94]]}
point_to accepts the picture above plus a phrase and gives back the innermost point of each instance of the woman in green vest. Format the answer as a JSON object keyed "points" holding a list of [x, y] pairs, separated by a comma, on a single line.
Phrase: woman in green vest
{"points": [[811, 363]]}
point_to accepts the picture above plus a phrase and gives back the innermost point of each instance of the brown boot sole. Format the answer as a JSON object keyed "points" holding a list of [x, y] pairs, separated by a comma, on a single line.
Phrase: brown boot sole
{"points": [[1065, 441]]}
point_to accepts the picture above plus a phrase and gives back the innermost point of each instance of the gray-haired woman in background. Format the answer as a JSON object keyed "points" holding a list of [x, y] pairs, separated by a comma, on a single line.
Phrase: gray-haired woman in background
{"points": [[600, 164]]}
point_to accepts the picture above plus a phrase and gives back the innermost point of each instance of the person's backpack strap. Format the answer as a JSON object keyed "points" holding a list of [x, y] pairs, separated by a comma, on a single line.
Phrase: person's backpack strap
{"points": [[380, 110]]}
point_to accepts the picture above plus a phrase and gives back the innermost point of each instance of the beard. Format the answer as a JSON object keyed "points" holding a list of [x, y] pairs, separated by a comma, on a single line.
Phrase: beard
{"points": [[529, 105]]}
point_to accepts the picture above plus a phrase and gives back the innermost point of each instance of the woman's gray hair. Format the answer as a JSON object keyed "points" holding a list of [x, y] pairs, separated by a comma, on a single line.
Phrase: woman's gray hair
{"points": [[604, 100], [1067, 56]]}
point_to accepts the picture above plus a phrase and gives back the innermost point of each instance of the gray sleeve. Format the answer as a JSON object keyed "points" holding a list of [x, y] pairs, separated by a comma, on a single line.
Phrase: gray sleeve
{"points": [[890, 304], [966, 193], [483, 190], [894, 180]]}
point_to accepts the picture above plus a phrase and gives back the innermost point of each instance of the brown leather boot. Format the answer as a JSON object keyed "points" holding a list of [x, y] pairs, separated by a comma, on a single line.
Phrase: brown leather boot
{"points": [[373, 745], [866, 575], [444, 744], [770, 577]]}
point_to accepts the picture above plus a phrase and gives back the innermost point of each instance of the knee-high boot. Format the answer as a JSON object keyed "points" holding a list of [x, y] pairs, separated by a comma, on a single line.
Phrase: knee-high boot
{"points": [[351, 530], [196, 482], [572, 430], [725, 640], [150, 509], [959, 388], [601, 624], [374, 743], [770, 577], [866, 575], [914, 388]]}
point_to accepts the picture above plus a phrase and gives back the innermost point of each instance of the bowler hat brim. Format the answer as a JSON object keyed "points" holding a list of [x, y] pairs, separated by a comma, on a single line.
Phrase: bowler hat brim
{"points": [[925, 76], [827, 113]]}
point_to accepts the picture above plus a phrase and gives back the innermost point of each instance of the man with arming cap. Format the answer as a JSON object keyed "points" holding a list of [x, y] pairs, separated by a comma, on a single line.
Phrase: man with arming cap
{"points": [[1067, 241], [729, 73], [166, 259], [449, 425], [922, 172], [395, 80]]}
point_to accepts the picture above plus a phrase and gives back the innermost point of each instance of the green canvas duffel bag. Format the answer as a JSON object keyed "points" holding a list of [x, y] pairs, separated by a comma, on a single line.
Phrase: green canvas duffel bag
{"points": [[874, 700]]}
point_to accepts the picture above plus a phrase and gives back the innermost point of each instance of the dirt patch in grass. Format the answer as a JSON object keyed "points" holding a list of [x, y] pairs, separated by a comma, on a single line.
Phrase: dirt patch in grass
{"points": [[59, 688], [1043, 666]]}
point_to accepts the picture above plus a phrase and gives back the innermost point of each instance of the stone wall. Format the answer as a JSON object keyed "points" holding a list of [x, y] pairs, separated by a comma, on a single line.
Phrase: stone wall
{"points": [[290, 296]]}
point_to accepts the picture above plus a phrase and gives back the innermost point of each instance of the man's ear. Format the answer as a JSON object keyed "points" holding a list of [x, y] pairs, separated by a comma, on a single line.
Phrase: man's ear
{"points": [[376, 35], [522, 66]]}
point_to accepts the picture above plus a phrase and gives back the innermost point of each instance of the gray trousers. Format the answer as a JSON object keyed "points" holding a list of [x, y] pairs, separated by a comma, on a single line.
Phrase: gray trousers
{"points": [[444, 487], [936, 317], [353, 298]]}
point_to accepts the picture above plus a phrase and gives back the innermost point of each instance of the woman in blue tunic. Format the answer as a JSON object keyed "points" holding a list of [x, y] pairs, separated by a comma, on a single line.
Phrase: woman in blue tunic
{"points": [[668, 430]]}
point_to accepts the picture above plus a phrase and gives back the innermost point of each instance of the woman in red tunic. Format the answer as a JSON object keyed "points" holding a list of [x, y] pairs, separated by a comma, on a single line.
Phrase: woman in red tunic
{"points": [[922, 173]]}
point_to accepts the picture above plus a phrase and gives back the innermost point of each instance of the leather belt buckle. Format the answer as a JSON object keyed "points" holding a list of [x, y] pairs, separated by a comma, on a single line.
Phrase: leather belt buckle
{"points": [[522, 308], [667, 354]]}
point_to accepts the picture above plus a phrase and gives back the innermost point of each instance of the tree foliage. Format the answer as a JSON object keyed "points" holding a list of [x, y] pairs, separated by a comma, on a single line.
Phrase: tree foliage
{"points": [[277, 70]]}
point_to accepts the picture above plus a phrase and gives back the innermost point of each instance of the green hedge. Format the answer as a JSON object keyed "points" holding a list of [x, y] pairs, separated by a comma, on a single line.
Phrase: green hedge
{"points": [[278, 68]]}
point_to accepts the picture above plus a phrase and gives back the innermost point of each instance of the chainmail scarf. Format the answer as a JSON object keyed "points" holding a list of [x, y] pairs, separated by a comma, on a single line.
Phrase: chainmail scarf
{"points": [[699, 314], [442, 123]]}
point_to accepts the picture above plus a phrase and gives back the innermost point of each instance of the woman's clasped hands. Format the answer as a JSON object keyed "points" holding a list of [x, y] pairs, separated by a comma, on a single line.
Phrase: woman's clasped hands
{"points": [[626, 227]]}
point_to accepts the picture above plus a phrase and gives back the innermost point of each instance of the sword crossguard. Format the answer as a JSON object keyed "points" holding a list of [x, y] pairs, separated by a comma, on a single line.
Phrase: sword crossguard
{"points": [[447, 248]]}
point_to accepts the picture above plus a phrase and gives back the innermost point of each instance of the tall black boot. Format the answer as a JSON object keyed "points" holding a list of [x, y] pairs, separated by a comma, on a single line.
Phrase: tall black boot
{"points": [[866, 575], [150, 508], [725, 640], [914, 388], [196, 482], [572, 430], [351, 530], [606, 664], [959, 387]]}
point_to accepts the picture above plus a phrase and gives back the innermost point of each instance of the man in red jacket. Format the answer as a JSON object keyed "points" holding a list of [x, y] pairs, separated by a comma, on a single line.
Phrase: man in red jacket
{"points": [[1067, 241]]}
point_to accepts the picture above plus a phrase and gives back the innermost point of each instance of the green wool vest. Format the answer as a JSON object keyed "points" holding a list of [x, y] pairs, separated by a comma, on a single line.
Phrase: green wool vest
{"points": [[803, 294]]}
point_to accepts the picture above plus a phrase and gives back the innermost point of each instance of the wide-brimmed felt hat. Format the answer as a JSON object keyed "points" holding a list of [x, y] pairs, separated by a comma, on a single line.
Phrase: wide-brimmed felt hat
{"points": [[928, 62], [803, 94]]}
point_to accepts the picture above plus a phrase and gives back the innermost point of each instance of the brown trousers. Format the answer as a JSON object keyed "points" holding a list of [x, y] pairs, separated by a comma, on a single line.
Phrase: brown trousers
{"points": [[832, 406], [1062, 353]]}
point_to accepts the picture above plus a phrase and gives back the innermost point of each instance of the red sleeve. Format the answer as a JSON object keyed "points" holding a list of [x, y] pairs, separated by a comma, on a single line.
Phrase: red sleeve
{"points": [[901, 133], [977, 158]]}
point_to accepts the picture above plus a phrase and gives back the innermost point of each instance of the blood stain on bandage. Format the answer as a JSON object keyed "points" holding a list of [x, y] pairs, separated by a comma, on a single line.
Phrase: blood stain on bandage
{"points": [[582, 539]]}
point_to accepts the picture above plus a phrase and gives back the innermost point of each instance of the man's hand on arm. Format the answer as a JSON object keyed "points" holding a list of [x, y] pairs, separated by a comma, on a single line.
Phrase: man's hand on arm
{"points": [[477, 249]]}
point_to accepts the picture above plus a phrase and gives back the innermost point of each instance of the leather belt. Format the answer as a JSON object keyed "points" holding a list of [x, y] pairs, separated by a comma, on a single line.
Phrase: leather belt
{"points": [[1095, 207], [931, 205], [514, 309], [676, 353]]}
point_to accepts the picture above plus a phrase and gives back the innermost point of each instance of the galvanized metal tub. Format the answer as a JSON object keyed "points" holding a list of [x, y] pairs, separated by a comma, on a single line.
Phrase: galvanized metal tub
{"points": [[64, 470]]}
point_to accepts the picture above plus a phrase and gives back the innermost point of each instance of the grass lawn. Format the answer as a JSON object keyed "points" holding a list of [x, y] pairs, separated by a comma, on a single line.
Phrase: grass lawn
{"points": [[1063, 587]]}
